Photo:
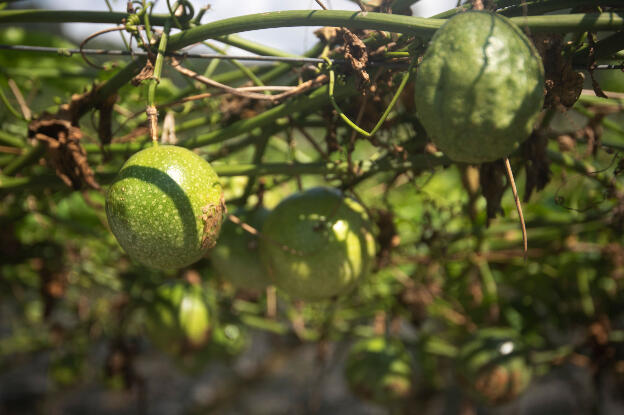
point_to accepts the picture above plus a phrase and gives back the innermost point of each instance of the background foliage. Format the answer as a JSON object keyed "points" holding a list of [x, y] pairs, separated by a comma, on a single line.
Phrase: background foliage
{"points": [[450, 271]]}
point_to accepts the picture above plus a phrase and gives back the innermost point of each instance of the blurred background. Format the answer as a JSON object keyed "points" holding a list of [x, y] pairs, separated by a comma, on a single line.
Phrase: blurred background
{"points": [[83, 329]]}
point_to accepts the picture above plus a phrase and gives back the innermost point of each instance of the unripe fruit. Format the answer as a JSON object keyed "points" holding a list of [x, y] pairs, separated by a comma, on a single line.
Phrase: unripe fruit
{"points": [[379, 370], [317, 244], [236, 256], [479, 88], [492, 368], [178, 317], [165, 207]]}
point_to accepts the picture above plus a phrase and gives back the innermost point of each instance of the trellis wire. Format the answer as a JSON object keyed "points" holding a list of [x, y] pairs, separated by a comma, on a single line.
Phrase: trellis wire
{"points": [[185, 55]]}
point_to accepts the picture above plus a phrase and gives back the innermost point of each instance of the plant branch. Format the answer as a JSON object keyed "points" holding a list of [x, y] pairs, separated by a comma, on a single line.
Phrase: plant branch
{"points": [[419, 161]]}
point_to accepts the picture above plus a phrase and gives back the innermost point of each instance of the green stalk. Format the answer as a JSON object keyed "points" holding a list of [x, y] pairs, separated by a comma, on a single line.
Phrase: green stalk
{"points": [[385, 114], [309, 103], [417, 161], [244, 69], [8, 105], [581, 167], [30, 156], [155, 79], [603, 49], [420, 26], [253, 47], [291, 18], [9, 140]]}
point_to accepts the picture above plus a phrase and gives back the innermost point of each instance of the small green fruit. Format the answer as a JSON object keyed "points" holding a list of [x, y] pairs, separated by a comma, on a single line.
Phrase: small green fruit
{"points": [[236, 255], [492, 368], [178, 317], [165, 207], [610, 80], [379, 370], [317, 244], [479, 88]]}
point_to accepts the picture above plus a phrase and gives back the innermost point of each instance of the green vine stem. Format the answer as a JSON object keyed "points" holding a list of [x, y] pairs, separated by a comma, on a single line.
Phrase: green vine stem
{"points": [[30, 156], [8, 140], [382, 119], [253, 47], [244, 69], [417, 161], [420, 26], [309, 103], [8, 105], [153, 81]]}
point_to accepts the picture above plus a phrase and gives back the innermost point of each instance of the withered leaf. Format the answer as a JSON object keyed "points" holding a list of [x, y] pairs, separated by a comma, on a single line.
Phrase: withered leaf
{"points": [[64, 151]]}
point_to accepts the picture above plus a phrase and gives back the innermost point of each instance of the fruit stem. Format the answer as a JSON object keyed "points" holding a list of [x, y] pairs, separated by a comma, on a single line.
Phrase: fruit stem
{"points": [[153, 81], [518, 206]]}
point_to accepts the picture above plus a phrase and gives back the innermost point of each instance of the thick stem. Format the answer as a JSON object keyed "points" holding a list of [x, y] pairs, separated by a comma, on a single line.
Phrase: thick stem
{"points": [[418, 161]]}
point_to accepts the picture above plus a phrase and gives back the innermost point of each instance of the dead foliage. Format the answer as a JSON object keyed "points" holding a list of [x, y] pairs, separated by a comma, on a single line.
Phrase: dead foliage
{"points": [[356, 54], [591, 65], [493, 184], [388, 237], [563, 84], [64, 151], [470, 182], [105, 133], [419, 293], [536, 164], [234, 108], [146, 72]]}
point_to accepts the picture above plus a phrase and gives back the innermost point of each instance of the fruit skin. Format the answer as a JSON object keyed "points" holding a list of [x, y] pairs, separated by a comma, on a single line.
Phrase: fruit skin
{"points": [[236, 255], [379, 370], [165, 207], [479, 88], [492, 368], [317, 244]]}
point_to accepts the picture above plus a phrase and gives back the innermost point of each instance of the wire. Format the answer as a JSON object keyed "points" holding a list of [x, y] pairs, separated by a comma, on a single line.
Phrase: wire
{"points": [[117, 52], [185, 55]]}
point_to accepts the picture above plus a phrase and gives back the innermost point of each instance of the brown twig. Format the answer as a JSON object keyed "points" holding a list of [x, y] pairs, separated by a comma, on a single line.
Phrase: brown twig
{"points": [[518, 206], [152, 122], [242, 92], [312, 141], [320, 3], [10, 150], [26, 112]]}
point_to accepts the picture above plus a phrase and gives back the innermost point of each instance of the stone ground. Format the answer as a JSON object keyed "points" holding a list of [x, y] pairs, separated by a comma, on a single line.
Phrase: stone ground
{"points": [[263, 382]]}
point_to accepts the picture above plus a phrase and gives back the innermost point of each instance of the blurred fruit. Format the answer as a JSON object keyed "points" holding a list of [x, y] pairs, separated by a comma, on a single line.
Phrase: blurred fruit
{"points": [[165, 207], [379, 370], [235, 257], [479, 87], [317, 244], [492, 367], [178, 317]]}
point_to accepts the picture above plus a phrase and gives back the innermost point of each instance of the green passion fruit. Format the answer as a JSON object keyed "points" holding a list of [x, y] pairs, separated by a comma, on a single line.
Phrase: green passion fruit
{"points": [[178, 317], [317, 244], [165, 207], [236, 255], [479, 88], [379, 370], [492, 368]]}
